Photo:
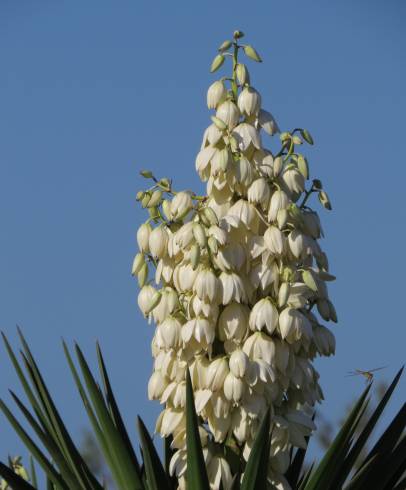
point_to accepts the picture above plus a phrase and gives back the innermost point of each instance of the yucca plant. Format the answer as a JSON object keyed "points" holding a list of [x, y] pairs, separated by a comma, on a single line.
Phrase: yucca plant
{"points": [[239, 299], [65, 469]]}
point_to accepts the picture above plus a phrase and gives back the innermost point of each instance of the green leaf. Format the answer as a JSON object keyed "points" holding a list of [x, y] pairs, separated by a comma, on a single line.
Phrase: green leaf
{"points": [[256, 471], [295, 468], [15, 481], [156, 477], [55, 426], [114, 410], [33, 473], [196, 474], [305, 478], [34, 449], [355, 451], [330, 464], [51, 446], [382, 456], [126, 467]]}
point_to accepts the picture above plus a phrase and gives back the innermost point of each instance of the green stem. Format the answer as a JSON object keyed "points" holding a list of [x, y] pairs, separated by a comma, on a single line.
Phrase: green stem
{"points": [[234, 86]]}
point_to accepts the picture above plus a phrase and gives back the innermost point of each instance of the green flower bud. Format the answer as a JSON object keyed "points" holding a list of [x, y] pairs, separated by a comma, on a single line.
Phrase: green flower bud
{"points": [[251, 53], [238, 34], [165, 184], [307, 136], [217, 62], [166, 208], [140, 195], [143, 275], [282, 218], [139, 261], [213, 245], [145, 199], [303, 166], [333, 313], [283, 294], [323, 309], [285, 136], [194, 256], [156, 298], [287, 274], [277, 166], [219, 123], [309, 280], [243, 76], [199, 234], [325, 201], [296, 140], [210, 216], [146, 174], [225, 45], [155, 199]]}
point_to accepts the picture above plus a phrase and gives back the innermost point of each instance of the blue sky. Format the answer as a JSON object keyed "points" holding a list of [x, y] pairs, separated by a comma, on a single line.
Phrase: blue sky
{"points": [[91, 92]]}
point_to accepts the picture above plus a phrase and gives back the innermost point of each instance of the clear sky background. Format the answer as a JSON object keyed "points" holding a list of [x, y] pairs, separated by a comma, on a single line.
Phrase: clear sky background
{"points": [[93, 91]]}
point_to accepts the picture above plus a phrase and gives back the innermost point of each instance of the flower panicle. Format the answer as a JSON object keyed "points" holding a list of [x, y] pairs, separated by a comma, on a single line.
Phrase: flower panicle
{"points": [[236, 283]]}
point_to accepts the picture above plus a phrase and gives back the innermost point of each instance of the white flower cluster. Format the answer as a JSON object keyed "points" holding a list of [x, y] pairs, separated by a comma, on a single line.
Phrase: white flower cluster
{"points": [[240, 289]]}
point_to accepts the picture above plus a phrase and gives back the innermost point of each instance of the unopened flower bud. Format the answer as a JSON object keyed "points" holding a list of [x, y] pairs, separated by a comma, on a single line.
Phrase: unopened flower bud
{"points": [[217, 62], [325, 201], [146, 174], [143, 237], [251, 53], [219, 123], [323, 309], [194, 256], [277, 166], [155, 199], [156, 298], [282, 218], [145, 200], [165, 184], [166, 208], [303, 166], [199, 234], [283, 294], [238, 363], [142, 275], [158, 240], [243, 76], [213, 245], [238, 34], [140, 195], [210, 216], [139, 261], [225, 45], [309, 280]]}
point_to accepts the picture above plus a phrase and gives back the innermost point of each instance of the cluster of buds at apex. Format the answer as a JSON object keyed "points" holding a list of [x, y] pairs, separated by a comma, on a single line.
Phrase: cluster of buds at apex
{"points": [[238, 287]]}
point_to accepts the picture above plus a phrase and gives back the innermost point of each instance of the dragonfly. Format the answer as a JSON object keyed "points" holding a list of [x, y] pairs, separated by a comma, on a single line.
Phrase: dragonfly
{"points": [[368, 375]]}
